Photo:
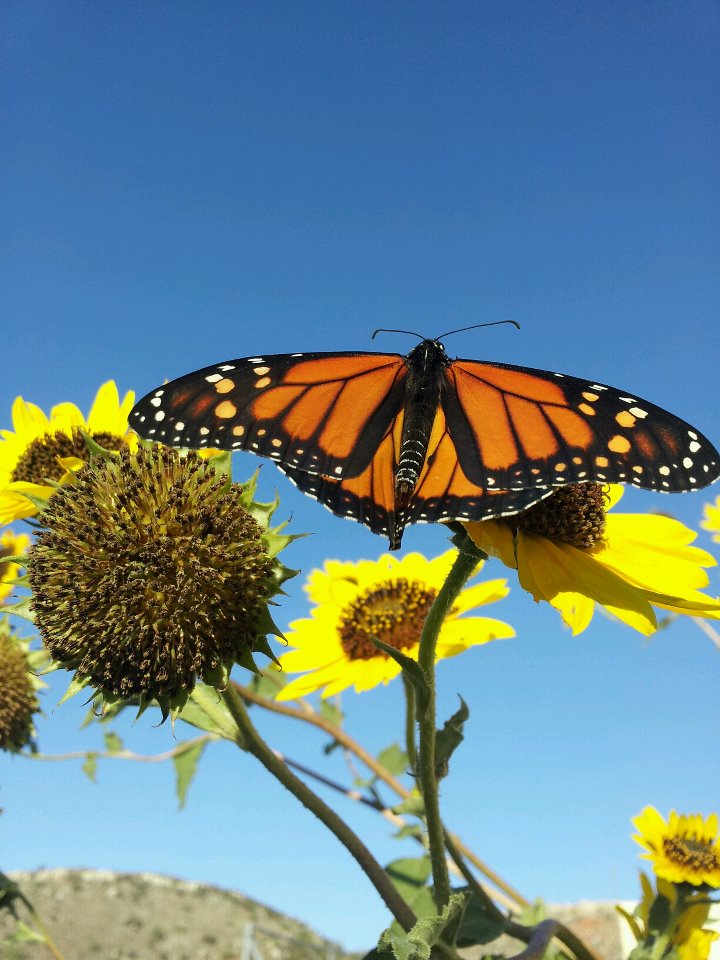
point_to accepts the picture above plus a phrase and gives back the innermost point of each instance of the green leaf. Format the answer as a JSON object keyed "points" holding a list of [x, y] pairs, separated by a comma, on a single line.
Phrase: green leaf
{"points": [[267, 683], [185, 766], [9, 893], [113, 743], [449, 738], [75, 686], [417, 943], [89, 767], [21, 609], [394, 759], [477, 925], [207, 711], [409, 874], [331, 712], [410, 668], [414, 805], [26, 934], [659, 916]]}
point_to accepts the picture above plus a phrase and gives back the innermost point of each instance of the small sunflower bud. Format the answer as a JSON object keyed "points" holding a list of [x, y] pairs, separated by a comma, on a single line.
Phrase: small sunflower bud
{"points": [[574, 514], [18, 701], [152, 572]]}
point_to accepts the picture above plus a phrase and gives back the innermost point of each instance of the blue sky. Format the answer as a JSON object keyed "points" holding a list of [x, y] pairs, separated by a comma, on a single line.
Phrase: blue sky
{"points": [[186, 183]]}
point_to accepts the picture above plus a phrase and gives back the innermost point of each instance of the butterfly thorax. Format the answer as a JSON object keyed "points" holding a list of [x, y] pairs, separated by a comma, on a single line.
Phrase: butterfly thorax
{"points": [[426, 364]]}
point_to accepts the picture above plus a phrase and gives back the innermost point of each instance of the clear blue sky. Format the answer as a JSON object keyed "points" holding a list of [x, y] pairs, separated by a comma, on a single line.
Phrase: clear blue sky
{"points": [[183, 183]]}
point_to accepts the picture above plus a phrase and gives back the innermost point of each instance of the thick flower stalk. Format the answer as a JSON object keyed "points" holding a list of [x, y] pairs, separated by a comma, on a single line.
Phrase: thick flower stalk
{"points": [[154, 571], [573, 552]]}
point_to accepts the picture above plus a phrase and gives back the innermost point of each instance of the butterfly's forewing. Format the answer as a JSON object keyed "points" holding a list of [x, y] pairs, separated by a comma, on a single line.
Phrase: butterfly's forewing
{"points": [[515, 428], [324, 413]]}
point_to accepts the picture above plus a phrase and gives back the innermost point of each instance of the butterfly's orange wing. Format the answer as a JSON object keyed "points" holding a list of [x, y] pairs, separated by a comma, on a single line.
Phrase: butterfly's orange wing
{"points": [[324, 413], [442, 493], [515, 428]]}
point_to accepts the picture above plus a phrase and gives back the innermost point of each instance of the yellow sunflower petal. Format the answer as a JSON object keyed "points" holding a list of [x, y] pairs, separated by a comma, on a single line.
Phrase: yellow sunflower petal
{"points": [[495, 538], [66, 417], [712, 518], [28, 419], [15, 506], [108, 414], [458, 635], [481, 593], [547, 570]]}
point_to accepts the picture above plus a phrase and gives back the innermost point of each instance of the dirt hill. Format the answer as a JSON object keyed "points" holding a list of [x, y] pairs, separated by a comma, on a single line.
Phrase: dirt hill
{"points": [[102, 915]]}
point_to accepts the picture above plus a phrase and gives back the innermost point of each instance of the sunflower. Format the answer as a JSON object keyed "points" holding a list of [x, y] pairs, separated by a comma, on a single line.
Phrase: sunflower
{"points": [[698, 945], [569, 552], [42, 450], [712, 519], [11, 545], [685, 849], [388, 599]]}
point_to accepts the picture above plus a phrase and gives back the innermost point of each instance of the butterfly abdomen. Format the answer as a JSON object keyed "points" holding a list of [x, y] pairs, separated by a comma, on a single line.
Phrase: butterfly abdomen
{"points": [[422, 396]]}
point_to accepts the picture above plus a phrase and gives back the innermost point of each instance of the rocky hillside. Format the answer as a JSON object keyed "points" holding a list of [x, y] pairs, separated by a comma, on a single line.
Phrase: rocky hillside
{"points": [[93, 914]]}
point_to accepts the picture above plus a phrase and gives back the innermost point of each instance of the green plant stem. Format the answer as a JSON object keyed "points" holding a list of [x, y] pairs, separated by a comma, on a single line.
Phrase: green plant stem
{"points": [[254, 744], [410, 721], [464, 564], [40, 926], [306, 714]]}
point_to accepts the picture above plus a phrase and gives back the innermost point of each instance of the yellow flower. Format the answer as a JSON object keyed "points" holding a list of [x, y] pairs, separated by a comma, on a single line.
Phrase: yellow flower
{"points": [[698, 944], [43, 450], [628, 563], [11, 545], [685, 849], [388, 599], [712, 519]]}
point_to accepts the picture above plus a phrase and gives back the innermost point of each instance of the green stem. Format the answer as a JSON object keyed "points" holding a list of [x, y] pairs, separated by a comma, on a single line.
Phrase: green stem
{"points": [[254, 744], [40, 926], [464, 565], [410, 721]]}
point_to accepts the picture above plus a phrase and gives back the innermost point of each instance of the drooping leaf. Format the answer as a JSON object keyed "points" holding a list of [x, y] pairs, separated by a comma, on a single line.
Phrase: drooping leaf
{"points": [[89, 767], [394, 759], [186, 762], [414, 805], [207, 711], [477, 925], [113, 743], [409, 874], [449, 738], [410, 668], [331, 712], [21, 609]]}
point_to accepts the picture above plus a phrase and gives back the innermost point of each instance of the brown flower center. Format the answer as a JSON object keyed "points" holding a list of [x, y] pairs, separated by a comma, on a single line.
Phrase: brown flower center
{"points": [[691, 853], [574, 514], [393, 612], [39, 463]]}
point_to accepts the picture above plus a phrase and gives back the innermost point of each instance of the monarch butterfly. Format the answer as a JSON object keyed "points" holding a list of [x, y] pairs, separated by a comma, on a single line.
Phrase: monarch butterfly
{"points": [[389, 440]]}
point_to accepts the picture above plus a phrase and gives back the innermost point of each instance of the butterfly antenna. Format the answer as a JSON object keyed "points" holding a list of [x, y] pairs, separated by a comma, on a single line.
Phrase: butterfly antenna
{"points": [[410, 333], [495, 323]]}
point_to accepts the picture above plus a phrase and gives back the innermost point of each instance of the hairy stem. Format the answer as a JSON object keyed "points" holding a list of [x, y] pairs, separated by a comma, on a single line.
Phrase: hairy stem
{"points": [[462, 568], [254, 744]]}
